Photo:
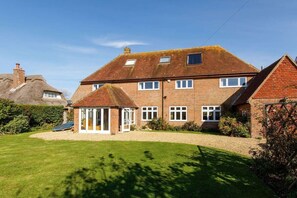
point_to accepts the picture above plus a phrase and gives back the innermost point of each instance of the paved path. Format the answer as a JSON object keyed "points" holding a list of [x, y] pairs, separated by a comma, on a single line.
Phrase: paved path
{"points": [[233, 144]]}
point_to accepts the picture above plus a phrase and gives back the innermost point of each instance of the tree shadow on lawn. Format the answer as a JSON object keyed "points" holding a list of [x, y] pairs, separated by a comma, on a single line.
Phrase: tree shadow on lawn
{"points": [[204, 173]]}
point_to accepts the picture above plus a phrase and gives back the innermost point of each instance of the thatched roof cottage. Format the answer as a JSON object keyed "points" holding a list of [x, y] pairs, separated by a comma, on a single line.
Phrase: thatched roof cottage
{"points": [[31, 89]]}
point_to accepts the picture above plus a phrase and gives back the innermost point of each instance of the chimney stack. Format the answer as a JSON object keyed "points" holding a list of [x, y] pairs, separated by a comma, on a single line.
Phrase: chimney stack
{"points": [[127, 50], [18, 76]]}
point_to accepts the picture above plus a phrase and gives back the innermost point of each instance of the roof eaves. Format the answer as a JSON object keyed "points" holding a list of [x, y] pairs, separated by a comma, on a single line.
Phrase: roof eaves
{"points": [[103, 67], [267, 77]]}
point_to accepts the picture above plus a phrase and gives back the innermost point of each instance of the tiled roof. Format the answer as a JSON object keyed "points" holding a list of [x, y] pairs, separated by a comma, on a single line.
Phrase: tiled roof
{"points": [[255, 83], [106, 96], [216, 61]]}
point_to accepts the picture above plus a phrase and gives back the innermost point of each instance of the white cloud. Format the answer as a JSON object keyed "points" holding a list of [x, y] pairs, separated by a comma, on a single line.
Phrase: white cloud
{"points": [[78, 49], [117, 43]]}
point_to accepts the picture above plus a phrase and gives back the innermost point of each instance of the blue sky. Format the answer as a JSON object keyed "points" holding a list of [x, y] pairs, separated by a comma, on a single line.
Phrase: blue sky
{"points": [[66, 40]]}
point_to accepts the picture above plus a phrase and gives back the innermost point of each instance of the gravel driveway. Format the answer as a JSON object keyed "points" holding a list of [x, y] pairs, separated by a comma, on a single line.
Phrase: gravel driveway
{"points": [[233, 144]]}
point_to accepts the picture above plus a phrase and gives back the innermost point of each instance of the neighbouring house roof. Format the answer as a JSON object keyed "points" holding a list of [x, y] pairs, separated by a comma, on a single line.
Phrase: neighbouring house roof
{"points": [[31, 92], [258, 80], [216, 61], [106, 96]]}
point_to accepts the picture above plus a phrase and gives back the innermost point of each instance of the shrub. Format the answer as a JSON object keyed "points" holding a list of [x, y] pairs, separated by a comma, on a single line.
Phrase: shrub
{"points": [[8, 110], [230, 126], [157, 124], [133, 127], [40, 115], [226, 125], [18, 125], [191, 126], [241, 130], [276, 162]]}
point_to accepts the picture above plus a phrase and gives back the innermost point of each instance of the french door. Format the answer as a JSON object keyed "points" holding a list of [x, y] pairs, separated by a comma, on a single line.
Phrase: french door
{"points": [[126, 120], [94, 120]]}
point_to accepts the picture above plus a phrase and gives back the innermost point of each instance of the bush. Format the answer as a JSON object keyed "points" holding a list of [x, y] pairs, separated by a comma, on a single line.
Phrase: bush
{"points": [[8, 110], [18, 125], [191, 126], [276, 162], [226, 125], [230, 126], [40, 115], [157, 124]]}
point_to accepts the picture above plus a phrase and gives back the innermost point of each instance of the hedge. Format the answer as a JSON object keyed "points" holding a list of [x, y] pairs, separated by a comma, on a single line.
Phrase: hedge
{"points": [[16, 118], [40, 115]]}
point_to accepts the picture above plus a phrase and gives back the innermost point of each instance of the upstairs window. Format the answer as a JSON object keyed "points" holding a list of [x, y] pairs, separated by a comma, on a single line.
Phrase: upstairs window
{"points": [[50, 94], [149, 85], [184, 84], [165, 59], [233, 82], [130, 62], [97, 86], [194, 59]]}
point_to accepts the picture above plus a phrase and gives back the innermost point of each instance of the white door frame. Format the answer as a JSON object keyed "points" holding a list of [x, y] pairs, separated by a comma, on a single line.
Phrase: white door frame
{"points": [[125, 122]]}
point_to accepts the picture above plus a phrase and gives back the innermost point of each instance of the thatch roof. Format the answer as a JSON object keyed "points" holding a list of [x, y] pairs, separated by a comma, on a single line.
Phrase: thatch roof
{"points": [[31, 92]]}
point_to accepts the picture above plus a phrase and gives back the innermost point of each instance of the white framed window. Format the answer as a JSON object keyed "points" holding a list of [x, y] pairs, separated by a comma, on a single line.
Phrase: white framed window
{"points": [[149, 85], [130, 62], [178, 113], [233, 82], [165, 59], [184, 84], [211, 113], [149, 113], [97, 86], [50, 94]]}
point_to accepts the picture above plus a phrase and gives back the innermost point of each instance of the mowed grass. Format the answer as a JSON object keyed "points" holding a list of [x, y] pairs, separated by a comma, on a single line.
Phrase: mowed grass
{"points": [[36, 168]]}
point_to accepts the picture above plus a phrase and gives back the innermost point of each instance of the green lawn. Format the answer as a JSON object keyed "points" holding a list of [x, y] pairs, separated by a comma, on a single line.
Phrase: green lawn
{"points": [[37, 168]]}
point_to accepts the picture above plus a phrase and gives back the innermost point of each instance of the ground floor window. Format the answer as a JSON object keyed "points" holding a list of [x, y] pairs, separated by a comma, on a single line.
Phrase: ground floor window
{"points": [[94, 120], [178, 113], [149, 113], [211, 113]]}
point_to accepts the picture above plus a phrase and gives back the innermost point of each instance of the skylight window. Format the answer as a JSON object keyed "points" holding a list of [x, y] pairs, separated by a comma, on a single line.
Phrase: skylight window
{"points": [[165, 59], [130, 62], [194, 59]]}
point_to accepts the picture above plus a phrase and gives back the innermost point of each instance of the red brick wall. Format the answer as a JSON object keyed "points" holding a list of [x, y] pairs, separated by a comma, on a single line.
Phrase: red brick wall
{"points": [[281, 83], [81, 92], [114, 121], [206, 92], [258, 114], [76, 119]]}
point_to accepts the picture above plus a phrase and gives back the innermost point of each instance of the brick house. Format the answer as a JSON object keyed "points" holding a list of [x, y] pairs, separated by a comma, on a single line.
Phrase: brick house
{"points": [[194, 84], [274, 83]]}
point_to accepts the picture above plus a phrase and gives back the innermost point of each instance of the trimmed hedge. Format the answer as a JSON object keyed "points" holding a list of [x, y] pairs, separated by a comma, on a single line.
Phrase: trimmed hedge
{"points": [[15, 118], [40, 115]]}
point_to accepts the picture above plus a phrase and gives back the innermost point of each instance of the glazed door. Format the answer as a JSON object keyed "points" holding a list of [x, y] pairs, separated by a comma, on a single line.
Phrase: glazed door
{"points": [[126, 120]]}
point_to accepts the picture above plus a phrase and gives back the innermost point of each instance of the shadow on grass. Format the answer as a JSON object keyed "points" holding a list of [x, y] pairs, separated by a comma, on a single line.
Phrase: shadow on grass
{"points": [[204, 173]]}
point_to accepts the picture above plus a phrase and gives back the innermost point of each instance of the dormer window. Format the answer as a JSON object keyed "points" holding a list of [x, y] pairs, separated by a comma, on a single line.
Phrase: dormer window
{"points": [[97, 86], [52, 95], [194, 59], [165, 59], [130, 62]]}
